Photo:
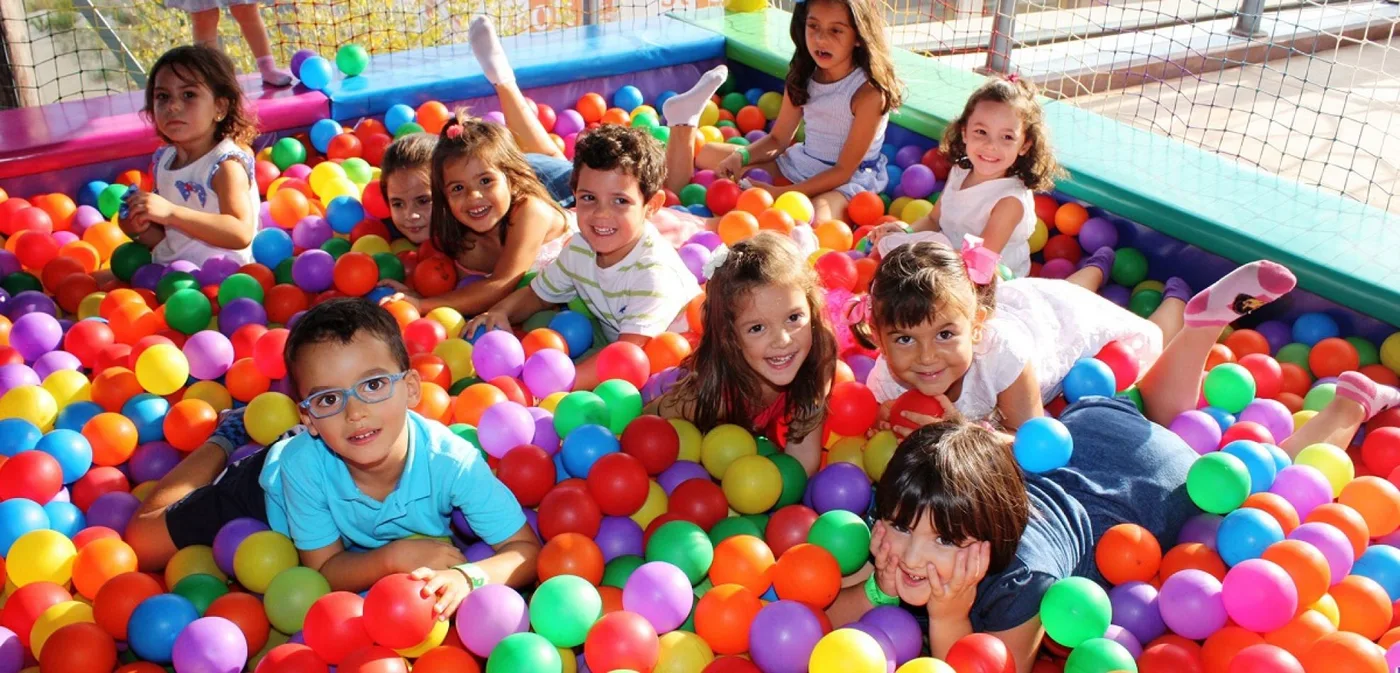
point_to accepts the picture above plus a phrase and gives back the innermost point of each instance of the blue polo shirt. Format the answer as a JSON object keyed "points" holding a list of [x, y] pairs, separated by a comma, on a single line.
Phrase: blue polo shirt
{"points": [[312, 497]]}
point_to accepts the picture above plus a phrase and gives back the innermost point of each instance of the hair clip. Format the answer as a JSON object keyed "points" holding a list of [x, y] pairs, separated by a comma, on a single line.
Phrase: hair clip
{"points": [[1013, 78], [981, 263], [858, 309], [453, 132], [717, 259]]}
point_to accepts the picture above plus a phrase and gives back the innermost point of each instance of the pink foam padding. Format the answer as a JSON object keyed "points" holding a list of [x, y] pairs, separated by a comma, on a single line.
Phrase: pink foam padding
{"points": [[75, 133]]}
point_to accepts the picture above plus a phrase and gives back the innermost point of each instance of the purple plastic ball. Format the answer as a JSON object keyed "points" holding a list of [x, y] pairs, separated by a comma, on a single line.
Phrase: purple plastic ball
{"points": [[495, 117], [83, 218], [12, 652], [789, 632], [1192, 604], [1198, 429], [1273, 415], [14, 375], [619, 536], [680, 472], [546, 437], [1125, 638], [498, 353], [1203, 528], [478, 551], [147, 276], [709, 239], [184, 266], [843, 486], [908, 156], [901, 627], [881, 638], [1276, 332], [242, 311], [211, 644], [568, 122], [265, 220], [35, 334], [312, 271], [216, 270], [695, 257], [1117, 294], [1098, 232], [546, 372], [918, 181], [4, 300], [760, 175], [754, 136], [1135, 608], [311, 232], [209, 353], [30, 301], [503, 427], [9, 263], [660, 593], [298, 59], [231, 535], [55, 360], [1304, 487], [153, 460], [860, 365], [1058, 268], [497, 611], [113, 510], [1332, 543]]}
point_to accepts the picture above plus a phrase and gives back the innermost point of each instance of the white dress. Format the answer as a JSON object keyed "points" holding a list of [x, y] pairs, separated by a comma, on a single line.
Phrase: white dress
{"points": [[966, 211], [192, 186], [1048, 323]]}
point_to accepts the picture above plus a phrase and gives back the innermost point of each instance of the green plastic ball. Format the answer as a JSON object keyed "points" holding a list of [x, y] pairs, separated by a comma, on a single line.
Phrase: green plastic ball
{"points": [[288, 152], [110, 200], [1132, 395], [845, 535], [21, 281], [462, 384], [1144, 302], [684, 545], [524, 652], [358, 170], [1370, 355], [759, 520], [623, 400], [741, 141], [766, 447], [725, 123], [1295, 353], [201, 590], [734, 102], [1218, 482], [539, 320], [526, 279], [1075, 609], [578, 408], [337, 247], [563, 608], [239, 286], [616, 572], [352, 59], [174, 281], [188, 311], [661, 133], [1129, 267], [127, 258], [770, 104], [731, 526], [645, 120], [729, 85], [692, 195], [1230, 387], [290, 596], [466, 432], [794, 479], [1319, 397], [283, 273], [390, 266], [1100, 655], [408, 128]]}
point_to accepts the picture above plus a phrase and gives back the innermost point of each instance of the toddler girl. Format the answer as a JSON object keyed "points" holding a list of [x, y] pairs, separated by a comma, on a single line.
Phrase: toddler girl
{"points": [[204, 15]]}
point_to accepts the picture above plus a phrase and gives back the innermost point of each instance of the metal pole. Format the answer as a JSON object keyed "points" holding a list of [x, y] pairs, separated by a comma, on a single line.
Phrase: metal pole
{"points": [[1248, 19], [590, 12], [114, 43], [1003, 28]]}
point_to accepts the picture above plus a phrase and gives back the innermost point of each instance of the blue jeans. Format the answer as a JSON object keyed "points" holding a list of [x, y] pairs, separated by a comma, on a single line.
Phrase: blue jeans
{"points": [[556, 174]]}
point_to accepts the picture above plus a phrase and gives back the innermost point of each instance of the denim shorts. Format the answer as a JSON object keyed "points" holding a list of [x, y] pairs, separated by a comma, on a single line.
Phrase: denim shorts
{"points": [[556, 174]]}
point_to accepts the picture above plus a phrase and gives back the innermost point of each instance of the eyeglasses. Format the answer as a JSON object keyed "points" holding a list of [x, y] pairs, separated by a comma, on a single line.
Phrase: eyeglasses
{"points": [[370, 390]]}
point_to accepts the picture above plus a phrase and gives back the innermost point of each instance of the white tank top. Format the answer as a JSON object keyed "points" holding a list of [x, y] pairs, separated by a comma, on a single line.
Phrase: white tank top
{"points": [[193, 187], [828, 117], [966, 211]]}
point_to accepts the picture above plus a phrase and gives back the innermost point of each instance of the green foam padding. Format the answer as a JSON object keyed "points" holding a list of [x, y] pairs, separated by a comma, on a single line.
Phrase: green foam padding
{"points": [[1340, 249]]}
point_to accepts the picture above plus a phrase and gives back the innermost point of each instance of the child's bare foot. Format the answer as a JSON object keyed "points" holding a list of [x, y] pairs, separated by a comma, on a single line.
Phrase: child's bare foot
{"points": [[1243, 291]]}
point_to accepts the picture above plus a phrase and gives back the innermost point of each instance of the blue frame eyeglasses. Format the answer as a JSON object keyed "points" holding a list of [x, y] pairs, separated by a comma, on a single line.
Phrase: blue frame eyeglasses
{"points": [[370, 390]]}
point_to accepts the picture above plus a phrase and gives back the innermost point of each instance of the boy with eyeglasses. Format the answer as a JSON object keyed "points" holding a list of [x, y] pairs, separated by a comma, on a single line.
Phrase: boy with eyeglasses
{"points": [[366, 476]]}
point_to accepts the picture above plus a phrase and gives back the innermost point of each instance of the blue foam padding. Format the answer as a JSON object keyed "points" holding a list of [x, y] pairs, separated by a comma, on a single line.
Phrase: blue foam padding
{"points": [[450, 73]]}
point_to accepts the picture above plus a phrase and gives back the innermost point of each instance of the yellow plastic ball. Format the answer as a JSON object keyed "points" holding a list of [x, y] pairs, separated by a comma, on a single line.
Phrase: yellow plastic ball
{"points": [[878, 451], [654, 506], [54, 618], [797, 205], [711, 134], [690, 439], [269, 415], [915, 210], [1390, 352], [162, 369], [847, 651], [210, 391], [370, 245], [724, 445], [449, 318], [1332, 462], [683, 652], [1327, 607], [323, 174], [265, 154], [1039, 236], [1300, 418], [643, 109], [41, 556], [745, 6], [261, 557], [32, 403], [88, 307], [435, 638], [551, 401], [847, 450], [710, 115], [142, 490], [752, 484], [816, 255], [375, 173], [925, 665], [273, 186], [569, 662], [457, 353], [193, 560], [897, 205], [337, 188], [401, 245], [68, 386]]}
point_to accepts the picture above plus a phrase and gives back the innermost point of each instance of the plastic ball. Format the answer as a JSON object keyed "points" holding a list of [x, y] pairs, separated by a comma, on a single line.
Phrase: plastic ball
{"points": [[156, 624], [1043, 444], [1218, 482], [1192, 605], [1229, 387], [396, 613], [563, 608], [847, 651], [261, 557], [351, 59]]}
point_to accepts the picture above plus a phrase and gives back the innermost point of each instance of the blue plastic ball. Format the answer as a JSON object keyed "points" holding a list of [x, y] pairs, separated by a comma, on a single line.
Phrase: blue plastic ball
{"points": [[1311, 328], [628, 98], [271, 246], [1043, 444], [72, 451], [1381, 563], [584, 446], [17, 434], [147, 412], [699, 210], [576, 329], [90, 192], [1222, 418], [1089, 377], [322, 132], [665, 96], [397, 116], [316, 73], [1245, 534], [561, 472], [1258, 460], [74, 416], [1281, 459], [158, 620], [343, 213], [752, 95], [379, 293], [889, 150], [896, 175], [65, 517], [17, 517]]}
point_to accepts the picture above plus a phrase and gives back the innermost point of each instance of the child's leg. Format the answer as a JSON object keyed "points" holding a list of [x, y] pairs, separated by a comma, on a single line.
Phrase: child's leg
{"points": [[829, 206], [1172, 385], [206, 27], [682, 112], [526, 127], [1171, 313], [1358, 399], [1095, 270], [147, 532], [255, 34]]}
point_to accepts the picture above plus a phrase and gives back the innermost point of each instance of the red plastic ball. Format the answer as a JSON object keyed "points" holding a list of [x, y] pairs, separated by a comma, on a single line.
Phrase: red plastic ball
{"points": [[548, 118], [99, 480], [722, 196], [267, 353], [244, 339], [618, 483], [335, 626], [34, 475], [569, 510], [374, 660], [355, 273], [344, 146], [373, 201], [31, 219], [396, 613], [118, 598], [938, 162], [851, 409], [444, 659], [699, 501], [1268, 375], [788, 527], [1247, 430], [528, 472], [1381, 450], [653, 441], [1124, 364], [836, 271], [291, 658], [85, 648], [916, 402], [423, 335], [434, 276], [624, 360], [1264, 659], [731, 665], [980, 653], [27, 603], [622, 640], [1063, 246], [86, 338], [372, 147]]}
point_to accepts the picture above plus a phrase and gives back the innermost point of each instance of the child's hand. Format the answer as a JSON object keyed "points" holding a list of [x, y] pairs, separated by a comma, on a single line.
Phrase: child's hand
{"points": [[149, 207], [451, 586], [771, 189], [920, 420], [731, 168], [407, 554], [882, 419], [952, 598], [886, 566], [491, 320], [885, 230], [399, 288]]}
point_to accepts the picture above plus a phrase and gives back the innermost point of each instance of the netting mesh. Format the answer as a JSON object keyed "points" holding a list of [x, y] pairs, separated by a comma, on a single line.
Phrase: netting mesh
{"points": [[1304, 88]]}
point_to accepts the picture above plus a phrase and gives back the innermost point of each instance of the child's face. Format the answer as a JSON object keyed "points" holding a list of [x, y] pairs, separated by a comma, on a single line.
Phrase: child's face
{"points": [[933, 356], [774, 327], [185, 110], [366, 435], [831, 37], [477, 193], [921, 552], [995, 138], [612, 213], [411, 203]]}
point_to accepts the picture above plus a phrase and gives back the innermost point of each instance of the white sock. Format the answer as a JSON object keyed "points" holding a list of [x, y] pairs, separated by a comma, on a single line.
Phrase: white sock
{"points": [[683, 109], [487, 48]]}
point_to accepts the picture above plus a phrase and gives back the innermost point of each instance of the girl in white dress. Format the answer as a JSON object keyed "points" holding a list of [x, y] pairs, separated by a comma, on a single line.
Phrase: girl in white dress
{"points": [[946, 327]]}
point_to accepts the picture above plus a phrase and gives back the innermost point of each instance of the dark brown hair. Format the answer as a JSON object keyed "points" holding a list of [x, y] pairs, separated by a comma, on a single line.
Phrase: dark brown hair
{"points": [[720, 387], [338, 321], [871, 54], [964, 478], [198, 64], [466, 137], [916, 281], [630, 151], [413, 152], [1037, 167]]}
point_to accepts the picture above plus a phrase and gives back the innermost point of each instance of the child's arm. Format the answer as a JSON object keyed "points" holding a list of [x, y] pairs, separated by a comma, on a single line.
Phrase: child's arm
{"points": [[513, 565], [356, 571], [1023, 642], [1001, 224], [1021, 401], [231, 228], [808, 451], [868, 106], [515, 308], [769, 146]]}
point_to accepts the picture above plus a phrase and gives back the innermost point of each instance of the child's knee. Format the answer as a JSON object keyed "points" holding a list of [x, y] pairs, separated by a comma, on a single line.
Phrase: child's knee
{"points": [[149, 537]]}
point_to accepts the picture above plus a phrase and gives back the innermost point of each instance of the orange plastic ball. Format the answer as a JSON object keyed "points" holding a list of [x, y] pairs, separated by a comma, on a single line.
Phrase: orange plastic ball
{"points": [[106, 237], [1192, 555], [737, 225], [1219, 354], [616, 116], [403, 312], [100, 561], [433, 402], [1244, 342], [744, 560], [1223, 645], [344, 146], [571, 554], [131, 323], [1296, 380], [1343, 652], [865, 209], [1364, 606], [432, 116], [695, 313], [1275, 506], [723, 617], [446, 660], [113, 387], [808, 574], [592, 107], [82, 252], [1376, 500], [666, 350], [474, 401], [431, 369], [245, 381], [1347, 520], [834, 235], [1128, 553], [750, 119], [247, 613], [1070, 218], [116, 299], [754, 201], [541, 338], [288, 206], [433, 276], [1332, 356], [113, 438], [776, 220], [260, 273], [1299, 634], [190, 423], [355, 274], [1305, 564]]}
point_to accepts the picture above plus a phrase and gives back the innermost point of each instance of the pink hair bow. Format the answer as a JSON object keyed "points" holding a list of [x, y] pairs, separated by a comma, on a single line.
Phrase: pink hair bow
{"points": [[858, 309], [981, 263]]}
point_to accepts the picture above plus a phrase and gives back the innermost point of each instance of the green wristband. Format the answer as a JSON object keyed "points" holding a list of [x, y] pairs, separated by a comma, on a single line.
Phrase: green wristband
{"points": [[474, 574], [744, 155], [876, 595]]}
